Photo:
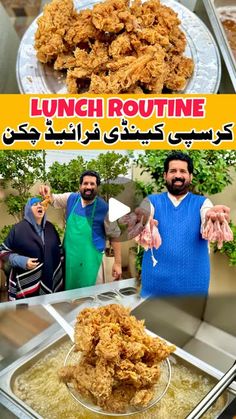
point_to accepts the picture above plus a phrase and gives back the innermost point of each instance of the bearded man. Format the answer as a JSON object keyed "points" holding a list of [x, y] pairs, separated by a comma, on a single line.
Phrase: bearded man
{"points": [[87, 227], [183, 266]]}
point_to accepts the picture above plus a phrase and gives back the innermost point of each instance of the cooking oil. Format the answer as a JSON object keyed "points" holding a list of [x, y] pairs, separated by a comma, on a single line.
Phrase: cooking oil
{"points": [[39, 387]]}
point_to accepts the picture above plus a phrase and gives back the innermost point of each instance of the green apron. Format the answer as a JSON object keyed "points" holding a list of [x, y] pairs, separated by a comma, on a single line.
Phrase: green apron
{"points": [[82, 259]]}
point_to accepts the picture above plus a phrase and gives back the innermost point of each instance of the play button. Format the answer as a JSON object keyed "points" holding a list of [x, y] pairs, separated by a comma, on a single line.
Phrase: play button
{"points": [[116, 209], [123, 209]]}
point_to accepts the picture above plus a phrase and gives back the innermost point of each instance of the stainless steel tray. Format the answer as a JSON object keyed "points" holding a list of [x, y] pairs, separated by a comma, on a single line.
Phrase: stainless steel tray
{"points": [[10, 375], [34, 77], [226, 6]]}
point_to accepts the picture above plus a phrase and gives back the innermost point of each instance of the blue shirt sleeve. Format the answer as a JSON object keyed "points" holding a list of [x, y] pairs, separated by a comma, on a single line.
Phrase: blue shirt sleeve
{"points": [[18, 261]]}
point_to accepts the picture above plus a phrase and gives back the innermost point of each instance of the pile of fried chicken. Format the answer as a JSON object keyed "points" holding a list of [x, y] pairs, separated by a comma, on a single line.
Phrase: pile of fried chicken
{"points": [[119, 364], [116, 47]]}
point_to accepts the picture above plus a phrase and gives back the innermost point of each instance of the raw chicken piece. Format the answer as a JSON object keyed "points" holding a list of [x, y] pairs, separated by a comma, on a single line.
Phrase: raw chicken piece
{"points": [[217, 229]]}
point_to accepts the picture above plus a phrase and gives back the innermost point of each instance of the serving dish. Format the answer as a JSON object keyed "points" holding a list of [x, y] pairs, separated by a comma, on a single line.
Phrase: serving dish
{"points": [[34, 77]]}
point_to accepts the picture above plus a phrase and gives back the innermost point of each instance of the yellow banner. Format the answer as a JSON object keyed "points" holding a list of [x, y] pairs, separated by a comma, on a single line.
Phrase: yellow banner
{"points": [[117, 122]]}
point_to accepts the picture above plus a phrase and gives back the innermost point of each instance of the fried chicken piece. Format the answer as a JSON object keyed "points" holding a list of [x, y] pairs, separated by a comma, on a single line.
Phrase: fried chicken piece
{"points": [[142, 397], [177, 42], [146, 13], [154, 37], [167, 18], [82, 29], [138, 374], [57, 17], [47, 200], [120, 46], [64, 60], [120, 363], [129, 70], [106, 15], [95, 60], [110, 342], [86, 64], [90, 380], [180, 69], [119, 399], [135, 89]]}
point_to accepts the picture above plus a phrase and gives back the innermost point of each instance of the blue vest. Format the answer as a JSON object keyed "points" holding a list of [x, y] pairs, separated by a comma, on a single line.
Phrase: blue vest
{"points": [[183, 266], [98, 230]]}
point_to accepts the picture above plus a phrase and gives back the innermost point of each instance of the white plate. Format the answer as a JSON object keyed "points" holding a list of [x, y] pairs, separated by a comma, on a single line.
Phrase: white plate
{"points": [[34, 77]]}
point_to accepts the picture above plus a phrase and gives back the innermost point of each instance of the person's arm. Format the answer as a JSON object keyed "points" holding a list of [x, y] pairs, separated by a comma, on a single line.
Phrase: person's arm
{"points": [[206, 206], [57, 200], [145, 211], [23, 262], [17, 261], [113, 232]]}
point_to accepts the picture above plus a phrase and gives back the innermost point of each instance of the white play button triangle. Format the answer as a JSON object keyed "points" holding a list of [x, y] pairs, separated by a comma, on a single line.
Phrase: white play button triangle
{"points": [[116, 209]]}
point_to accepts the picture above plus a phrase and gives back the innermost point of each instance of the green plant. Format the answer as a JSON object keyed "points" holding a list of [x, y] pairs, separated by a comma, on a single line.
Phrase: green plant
{"points": [[4, 232], [143, 189], [138, 251], [65, 177], [110, 165], [59, 230], [229, 248], [19, 171]]}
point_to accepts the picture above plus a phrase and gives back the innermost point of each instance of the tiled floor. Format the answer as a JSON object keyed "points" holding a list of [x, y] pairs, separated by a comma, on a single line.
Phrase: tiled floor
{"points": [[22, 13]]}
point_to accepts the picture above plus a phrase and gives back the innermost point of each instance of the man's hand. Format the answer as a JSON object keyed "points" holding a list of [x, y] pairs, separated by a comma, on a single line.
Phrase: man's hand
{"points": [[45, 190], [32, 263], [142, 215], [116, 270]]}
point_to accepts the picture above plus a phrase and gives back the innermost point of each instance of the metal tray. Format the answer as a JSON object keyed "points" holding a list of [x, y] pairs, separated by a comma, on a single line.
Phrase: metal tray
{"points": [[226, 6], [10, 375], [34, 77], [213, 9]]}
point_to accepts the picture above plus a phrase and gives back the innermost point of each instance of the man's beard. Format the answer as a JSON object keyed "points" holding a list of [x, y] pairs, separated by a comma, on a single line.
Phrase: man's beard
{"points": [[89, 197], [178, 189]]}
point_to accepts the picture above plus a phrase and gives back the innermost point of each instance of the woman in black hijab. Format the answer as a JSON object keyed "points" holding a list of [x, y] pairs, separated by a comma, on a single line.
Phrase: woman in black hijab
{"points": [[33, 250]]}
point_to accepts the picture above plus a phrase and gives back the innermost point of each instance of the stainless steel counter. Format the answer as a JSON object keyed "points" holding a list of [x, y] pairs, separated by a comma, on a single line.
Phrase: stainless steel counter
{"points": [[29, 320]]}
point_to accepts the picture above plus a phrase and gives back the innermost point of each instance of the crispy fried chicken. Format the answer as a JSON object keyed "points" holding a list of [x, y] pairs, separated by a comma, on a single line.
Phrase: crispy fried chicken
{"points": [[116, 47], [120, 363]]}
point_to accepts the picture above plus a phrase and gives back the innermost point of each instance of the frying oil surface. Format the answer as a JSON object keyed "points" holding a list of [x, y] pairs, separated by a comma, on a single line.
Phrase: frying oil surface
{"points": [[39, 387]]}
